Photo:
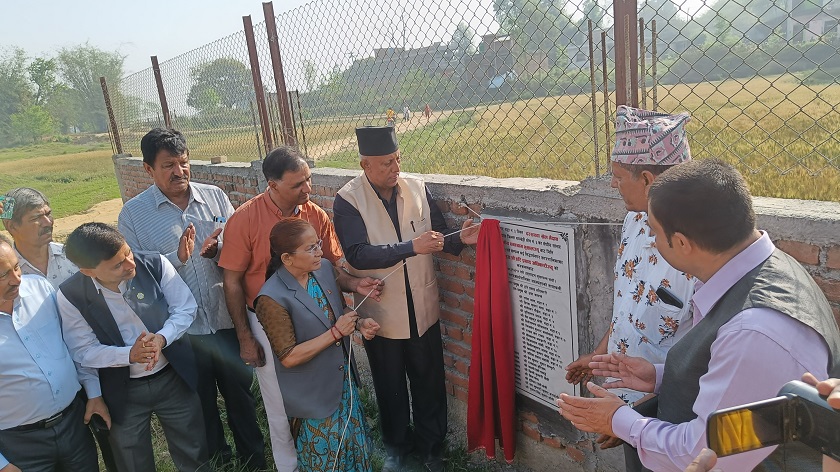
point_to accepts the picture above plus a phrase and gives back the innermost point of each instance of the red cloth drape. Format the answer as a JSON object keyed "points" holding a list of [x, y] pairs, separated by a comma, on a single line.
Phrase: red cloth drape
{"points": [[491, 405]]}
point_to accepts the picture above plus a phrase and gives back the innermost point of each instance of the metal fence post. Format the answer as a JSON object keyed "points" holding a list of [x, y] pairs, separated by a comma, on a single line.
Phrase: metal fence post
{"points": [[626, 56], [161, 94], [594, 110], [111, 118], [279, 77], [258, 86]]}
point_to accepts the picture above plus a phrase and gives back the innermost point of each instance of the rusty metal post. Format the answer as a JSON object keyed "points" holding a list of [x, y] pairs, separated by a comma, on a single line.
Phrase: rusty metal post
{"points": [[258, 85], [626, 55], [300, 119], [606, 96], [292, 109], [279, 77], [594, 108], [256, 133], [111, 118], [161, 94], [642, 71], [653, 62]]}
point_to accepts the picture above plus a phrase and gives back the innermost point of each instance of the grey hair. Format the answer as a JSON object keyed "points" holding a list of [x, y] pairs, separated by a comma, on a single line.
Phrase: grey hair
{"points": [[26, 200]]}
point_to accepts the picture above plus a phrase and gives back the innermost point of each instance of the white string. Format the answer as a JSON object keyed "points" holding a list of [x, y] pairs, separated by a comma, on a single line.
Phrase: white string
{"points": [[349, 369]]}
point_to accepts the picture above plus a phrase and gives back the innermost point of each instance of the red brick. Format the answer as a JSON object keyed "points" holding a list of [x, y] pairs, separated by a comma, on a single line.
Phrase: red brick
{"points": [[460, 393], [575, 454], [469, 290], [464, 274], [833, 259], [528, 416], [555, 442], [468, 257], [451, 300], [448, 257], [802, 252], [457, 380], [467, 305], [468, 338], [831, 288], [454, 333], [462, 367], [448, 359], [446, 268], [454, 318], [451, 286], [458, 209], [457, 349], [531, 431]]}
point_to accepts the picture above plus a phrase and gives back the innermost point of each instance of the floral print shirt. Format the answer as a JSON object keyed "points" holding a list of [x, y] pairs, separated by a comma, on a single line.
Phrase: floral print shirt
{"points": [[642, 325]]}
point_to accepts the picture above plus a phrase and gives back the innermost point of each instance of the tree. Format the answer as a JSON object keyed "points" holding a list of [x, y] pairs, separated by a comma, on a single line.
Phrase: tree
{"points": [[310, 75], [42, 73], [32, 123], [540, 27], [222, 83], [15, 92], [80, 68], [463, 41]]}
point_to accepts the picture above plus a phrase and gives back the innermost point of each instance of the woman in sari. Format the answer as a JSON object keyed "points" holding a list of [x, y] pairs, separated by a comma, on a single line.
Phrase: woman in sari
{"points": [[302, 311]]}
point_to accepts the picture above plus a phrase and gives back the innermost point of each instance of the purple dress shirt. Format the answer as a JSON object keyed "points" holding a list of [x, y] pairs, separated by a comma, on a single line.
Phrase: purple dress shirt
{"points": [[754, 355]]}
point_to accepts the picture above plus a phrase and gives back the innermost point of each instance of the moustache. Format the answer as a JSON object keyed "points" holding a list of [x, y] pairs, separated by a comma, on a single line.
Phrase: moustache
{"points": [[45, 231], [176, 179]]}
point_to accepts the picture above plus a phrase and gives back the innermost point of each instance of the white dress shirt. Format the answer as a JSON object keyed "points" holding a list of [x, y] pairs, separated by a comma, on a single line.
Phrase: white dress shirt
{"points": [[59, 267]]}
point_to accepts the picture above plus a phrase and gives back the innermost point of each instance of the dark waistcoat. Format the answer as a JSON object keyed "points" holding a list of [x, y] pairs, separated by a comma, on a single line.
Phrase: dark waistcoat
{"points": [[779, 283], [145, 296]]}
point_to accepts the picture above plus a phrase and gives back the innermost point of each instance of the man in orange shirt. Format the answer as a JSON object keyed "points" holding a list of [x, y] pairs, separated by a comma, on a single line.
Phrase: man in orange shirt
{"points": [[245, 259]]}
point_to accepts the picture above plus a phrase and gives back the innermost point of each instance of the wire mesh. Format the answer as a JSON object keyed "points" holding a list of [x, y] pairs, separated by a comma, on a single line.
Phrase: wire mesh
{"points": [[504, 87]]}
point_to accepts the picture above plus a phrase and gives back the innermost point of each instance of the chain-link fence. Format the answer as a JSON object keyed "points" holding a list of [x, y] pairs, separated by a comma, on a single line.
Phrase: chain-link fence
{"points": [[515, 88]]}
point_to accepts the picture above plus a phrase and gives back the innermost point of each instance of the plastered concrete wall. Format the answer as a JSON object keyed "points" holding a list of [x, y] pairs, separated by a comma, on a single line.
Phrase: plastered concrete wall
{"points": [[808, 230]]}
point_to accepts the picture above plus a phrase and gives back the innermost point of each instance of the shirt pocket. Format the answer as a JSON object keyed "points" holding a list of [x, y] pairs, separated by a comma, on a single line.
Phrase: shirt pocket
{"points": [[45, 330]]}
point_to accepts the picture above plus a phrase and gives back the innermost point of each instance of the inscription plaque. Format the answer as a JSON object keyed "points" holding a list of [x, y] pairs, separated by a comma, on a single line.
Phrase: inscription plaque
{"points": [[541, 271]]}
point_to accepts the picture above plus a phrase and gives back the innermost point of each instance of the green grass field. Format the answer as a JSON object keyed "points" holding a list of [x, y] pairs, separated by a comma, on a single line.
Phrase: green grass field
{"points": [[768, 128], [73, 177]]}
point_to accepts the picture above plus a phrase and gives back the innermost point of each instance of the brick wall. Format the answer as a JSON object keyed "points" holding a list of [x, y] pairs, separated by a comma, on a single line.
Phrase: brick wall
{"points": [[810, 231]]}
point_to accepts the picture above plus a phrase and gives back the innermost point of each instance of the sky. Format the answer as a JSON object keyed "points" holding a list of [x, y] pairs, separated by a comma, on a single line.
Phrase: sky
{"points": [[136, 29]]}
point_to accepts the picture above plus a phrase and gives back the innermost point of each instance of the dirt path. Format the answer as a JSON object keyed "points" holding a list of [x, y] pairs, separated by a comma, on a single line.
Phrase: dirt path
{"points": [[323, 150], [105, 212]]}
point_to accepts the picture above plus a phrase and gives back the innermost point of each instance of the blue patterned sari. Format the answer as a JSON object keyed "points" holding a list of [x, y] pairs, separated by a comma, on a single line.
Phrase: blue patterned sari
{"points": [[318, 440]]}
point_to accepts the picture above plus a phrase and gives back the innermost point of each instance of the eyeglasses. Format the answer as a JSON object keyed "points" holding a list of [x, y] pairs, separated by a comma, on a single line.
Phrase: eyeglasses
{"points": [[313, 248]]}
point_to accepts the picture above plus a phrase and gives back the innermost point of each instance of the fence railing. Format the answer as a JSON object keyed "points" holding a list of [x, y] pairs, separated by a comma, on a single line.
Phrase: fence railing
{"points": [[518, 87]]}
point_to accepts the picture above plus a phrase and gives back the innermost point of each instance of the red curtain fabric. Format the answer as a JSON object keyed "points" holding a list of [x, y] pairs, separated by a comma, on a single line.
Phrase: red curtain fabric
{"points": [[491, 405]]}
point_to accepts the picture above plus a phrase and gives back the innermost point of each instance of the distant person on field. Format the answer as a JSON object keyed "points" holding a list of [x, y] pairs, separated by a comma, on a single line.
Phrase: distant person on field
{"points": [[125, 314], [406, 114], [427, 111], [168, 218], [42, 421], [245, 259], [390, 117]]}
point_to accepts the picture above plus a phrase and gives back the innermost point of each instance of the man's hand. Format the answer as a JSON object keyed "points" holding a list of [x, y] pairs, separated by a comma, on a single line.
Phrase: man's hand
{"points": [[579, 370], [10, 468], [469, 232], [251, 352], [367, 286], [608, 442], [828, 388], [633, 372], [427, 243], [186, 244], [143, 351], [592, 415], [210, 246], [368, 327], [97, 406], [703, 462]]}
